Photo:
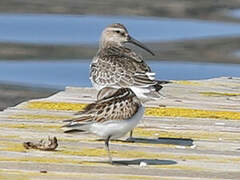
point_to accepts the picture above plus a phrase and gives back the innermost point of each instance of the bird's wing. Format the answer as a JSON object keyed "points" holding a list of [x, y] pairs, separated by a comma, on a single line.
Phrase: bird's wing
{"points": [[106, 92], [121, 105], [117, 66]]}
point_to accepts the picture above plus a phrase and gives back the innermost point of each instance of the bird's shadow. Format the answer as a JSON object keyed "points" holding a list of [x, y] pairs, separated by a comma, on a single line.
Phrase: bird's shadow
{"points": [[147, 161], [163, 140], [138, 162], [160, 140]]}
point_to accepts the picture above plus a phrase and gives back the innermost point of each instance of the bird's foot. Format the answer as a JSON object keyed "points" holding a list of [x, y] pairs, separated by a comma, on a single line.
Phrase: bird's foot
{"points": [[130, 140]]}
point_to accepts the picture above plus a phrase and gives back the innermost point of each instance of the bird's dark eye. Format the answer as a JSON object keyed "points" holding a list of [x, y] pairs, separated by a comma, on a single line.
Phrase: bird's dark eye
{"points": [[117, 31]]}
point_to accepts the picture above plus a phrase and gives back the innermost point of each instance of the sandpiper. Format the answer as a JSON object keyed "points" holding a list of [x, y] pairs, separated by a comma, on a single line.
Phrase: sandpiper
{"points": [[116, 113], [118, 66]]}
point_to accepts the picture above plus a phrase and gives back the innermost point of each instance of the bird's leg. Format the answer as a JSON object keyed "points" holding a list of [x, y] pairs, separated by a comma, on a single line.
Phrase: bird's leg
{"points": [[107, 147], [130, 138], [130, 134]]}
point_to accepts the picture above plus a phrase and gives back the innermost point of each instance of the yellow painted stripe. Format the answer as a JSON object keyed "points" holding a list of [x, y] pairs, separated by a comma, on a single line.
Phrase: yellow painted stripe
{"points": [[153, 111], [37, 127], [191, 113], [186, 134], [56, 106], [39, 116], [219, 94], [194, 83]]}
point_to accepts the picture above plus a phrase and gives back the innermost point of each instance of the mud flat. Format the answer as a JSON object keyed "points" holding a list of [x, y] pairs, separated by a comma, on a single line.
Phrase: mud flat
{"points": [[191, 133], [13, 94], [217, 50]]}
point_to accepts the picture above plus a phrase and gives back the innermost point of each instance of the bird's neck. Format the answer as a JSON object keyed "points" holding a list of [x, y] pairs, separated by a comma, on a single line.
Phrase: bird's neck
{"points": [[107, 43], [114, 49]]}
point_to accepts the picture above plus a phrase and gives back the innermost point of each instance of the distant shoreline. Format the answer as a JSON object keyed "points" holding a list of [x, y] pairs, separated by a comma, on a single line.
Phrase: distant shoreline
{"points": [[213, 50], [207, 10]]}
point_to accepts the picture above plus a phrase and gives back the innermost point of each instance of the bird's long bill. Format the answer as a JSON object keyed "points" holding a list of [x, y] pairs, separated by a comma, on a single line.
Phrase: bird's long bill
{"points": [[139, 44]]}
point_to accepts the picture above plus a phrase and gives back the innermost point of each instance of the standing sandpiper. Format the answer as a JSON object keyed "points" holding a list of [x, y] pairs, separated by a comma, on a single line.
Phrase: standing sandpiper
{"points": [[118, 66], [116, 113]]}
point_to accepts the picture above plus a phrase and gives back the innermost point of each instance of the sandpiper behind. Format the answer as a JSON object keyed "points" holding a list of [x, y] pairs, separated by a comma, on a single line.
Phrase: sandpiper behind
{"points": [[118, 66]]}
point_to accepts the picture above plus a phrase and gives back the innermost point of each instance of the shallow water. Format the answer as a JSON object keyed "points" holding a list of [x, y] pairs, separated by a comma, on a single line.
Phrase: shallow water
{"points": [[59, 74], [69, 29], [234, 13]]}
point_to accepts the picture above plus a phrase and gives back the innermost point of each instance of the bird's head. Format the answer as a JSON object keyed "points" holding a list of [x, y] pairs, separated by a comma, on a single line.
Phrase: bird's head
{"points": [[118, 34]]}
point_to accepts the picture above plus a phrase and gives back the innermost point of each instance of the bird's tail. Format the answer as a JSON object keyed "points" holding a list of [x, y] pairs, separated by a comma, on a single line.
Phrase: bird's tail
{"points": [[159, 85], [151, 92], [79, 124]]}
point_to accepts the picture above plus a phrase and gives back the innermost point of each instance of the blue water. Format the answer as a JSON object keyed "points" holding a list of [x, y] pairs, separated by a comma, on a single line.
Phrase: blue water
{"points": [[234, 13], [59, 74], [70, 29]]}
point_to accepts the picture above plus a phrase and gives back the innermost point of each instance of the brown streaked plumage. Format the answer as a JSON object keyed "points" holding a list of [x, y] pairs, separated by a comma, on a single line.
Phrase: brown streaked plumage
{"points": [[118, 66], [117, 104], [116, 112]]}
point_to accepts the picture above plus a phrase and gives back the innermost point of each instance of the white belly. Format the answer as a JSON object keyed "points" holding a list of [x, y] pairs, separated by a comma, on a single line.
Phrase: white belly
{"points": [[117, 128]]}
